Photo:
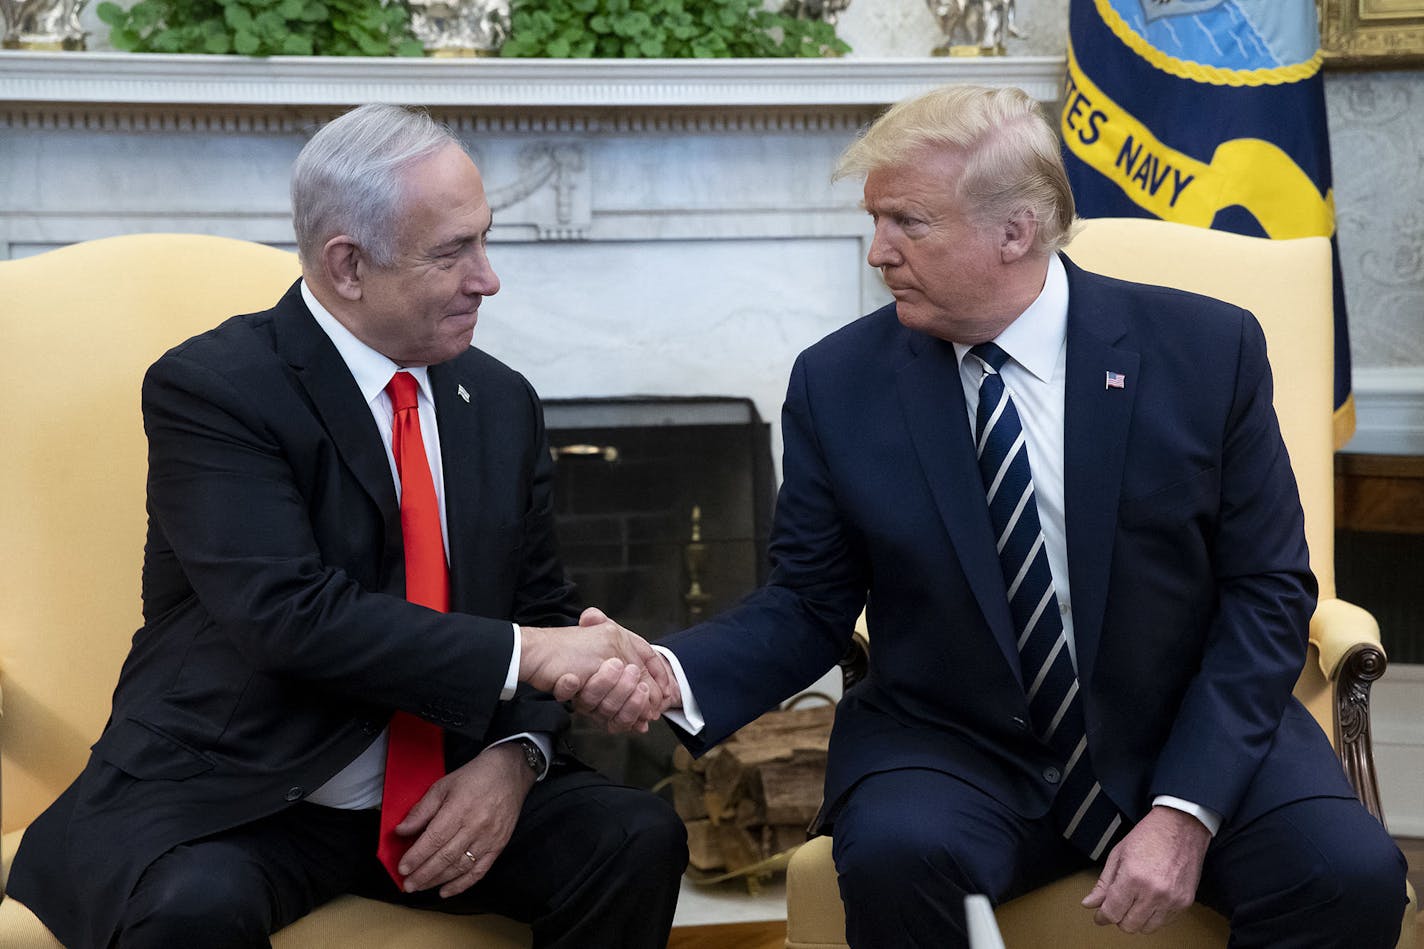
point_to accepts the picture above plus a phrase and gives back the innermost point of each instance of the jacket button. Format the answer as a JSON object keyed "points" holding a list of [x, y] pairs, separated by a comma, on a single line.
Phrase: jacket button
{"points": [[294, 794], [1052, 775]]}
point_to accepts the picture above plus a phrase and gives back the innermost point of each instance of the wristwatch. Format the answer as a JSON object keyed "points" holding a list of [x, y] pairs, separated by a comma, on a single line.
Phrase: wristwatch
{"points": [[533, 755]]}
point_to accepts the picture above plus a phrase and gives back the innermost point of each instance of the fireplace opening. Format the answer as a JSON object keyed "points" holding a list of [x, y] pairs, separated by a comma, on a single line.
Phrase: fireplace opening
{"points": [[662, 507]]}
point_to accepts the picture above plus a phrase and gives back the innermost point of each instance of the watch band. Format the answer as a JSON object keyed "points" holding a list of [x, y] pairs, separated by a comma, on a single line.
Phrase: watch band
{"points": [[533, 755]]}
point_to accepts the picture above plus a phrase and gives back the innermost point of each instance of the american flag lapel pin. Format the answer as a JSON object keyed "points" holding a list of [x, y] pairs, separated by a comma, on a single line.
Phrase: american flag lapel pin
{"points": [[466, 395], [1115, 380]]}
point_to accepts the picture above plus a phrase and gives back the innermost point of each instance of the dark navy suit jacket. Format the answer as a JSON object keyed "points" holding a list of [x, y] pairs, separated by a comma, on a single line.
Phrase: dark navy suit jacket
{"points": [[277, 639], [1191, 585]]}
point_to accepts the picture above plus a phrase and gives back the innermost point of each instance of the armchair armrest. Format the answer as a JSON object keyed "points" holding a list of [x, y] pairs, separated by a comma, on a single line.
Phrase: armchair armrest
{"points": [[1339, 628], [855, 664], [1350, 658]]}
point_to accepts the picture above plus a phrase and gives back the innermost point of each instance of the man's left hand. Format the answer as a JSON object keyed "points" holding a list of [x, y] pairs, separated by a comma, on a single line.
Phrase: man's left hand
{"points": [[469, 812], [1152, 875]]}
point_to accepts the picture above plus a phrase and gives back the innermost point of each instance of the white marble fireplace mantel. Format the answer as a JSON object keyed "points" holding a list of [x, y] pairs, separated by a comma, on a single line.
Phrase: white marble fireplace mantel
{"points": [[126, 78], [663, 228]]}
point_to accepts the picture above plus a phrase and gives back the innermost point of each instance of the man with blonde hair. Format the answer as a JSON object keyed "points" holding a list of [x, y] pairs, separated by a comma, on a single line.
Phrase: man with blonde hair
{"points": [[1064, 504]]}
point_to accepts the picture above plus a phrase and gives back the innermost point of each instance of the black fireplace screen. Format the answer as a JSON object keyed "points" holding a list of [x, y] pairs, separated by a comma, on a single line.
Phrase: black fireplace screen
{"points": [[663, 506]]}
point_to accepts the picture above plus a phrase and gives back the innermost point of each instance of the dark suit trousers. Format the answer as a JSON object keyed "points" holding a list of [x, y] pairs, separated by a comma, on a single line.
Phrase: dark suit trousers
{"points": [[590, 864], [910, 844]]}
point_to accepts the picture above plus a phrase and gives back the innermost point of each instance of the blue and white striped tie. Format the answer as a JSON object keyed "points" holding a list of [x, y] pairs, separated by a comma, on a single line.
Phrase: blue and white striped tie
{"points": [[1089, 820]]}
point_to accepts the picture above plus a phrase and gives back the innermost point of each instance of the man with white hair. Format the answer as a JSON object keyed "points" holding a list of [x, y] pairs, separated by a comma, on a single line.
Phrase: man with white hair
{"points": [[352, 601], [1064, 504]]}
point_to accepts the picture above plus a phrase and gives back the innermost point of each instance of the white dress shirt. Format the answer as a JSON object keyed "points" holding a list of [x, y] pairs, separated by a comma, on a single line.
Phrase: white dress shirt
{"points": [[1034, 376], [1037, 344], [358, 785]]}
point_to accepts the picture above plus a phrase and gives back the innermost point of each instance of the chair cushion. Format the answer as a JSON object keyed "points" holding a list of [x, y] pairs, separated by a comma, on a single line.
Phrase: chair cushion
{"points": [[1049, 916], [350, 922], [815, 918], [1053, 916]]}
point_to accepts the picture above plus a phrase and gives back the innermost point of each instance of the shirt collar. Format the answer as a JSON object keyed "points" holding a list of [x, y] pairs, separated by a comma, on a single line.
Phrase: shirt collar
{"points": [[371, 370], [1035, 337]]}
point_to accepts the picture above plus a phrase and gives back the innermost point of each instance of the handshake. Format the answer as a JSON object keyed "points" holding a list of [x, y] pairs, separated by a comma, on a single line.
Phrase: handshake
{"points": [[607, 671]]}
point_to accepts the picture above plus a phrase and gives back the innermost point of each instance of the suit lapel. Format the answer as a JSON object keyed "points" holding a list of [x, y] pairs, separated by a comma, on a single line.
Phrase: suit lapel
{"points": [[1096, 422], [323, 373], [456, 407], [932, 398]]}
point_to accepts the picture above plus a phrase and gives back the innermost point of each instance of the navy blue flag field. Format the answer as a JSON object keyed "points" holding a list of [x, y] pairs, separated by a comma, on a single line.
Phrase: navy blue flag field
{"points": [[1205, 112]]}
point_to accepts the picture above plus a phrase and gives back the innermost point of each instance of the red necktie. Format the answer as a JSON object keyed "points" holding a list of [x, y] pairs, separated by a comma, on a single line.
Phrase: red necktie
{"points": [[415, 757]]}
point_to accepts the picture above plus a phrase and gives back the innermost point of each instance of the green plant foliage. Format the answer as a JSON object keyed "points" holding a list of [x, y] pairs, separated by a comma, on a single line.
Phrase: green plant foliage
{"points": [[262, 27], [633, 29]]}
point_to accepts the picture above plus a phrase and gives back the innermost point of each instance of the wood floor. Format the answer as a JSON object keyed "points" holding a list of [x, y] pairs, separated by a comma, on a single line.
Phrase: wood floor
{"points": [[773, 935], [731, 936]]}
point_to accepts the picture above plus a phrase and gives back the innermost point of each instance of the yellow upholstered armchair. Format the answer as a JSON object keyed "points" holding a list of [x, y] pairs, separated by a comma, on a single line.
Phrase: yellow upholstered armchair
{"points": [[79, 326], [1287, 284]]}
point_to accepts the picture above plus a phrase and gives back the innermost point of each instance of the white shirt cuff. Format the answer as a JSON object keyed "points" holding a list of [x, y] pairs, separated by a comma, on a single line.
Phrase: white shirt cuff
{"points": [[1209, 818], [511, 678], [542, 739], [689, 717]]}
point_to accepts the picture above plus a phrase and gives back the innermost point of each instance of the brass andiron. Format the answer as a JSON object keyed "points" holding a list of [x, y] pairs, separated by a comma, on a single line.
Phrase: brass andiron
{"points": [[693, 555]]}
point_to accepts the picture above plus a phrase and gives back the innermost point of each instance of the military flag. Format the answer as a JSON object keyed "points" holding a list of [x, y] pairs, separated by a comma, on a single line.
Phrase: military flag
{"points": [[1205, 112]]}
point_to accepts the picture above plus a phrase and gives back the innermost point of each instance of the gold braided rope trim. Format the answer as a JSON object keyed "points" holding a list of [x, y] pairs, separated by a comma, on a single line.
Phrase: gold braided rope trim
{"points": [[1215, 75]]}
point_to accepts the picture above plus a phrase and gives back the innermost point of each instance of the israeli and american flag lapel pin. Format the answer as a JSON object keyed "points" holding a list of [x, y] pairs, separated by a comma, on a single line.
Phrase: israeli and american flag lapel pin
{"points": [[1115, 380], [464, 394]]}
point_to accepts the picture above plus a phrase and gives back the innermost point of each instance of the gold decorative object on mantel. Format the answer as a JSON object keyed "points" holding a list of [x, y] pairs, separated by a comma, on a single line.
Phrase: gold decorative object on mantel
{"points": [[974, 27], [1377, 33], [43, 24], [454, 28]]}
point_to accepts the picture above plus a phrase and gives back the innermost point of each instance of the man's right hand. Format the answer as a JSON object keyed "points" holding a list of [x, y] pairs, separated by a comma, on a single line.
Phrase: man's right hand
{"points": [[613, 673]]}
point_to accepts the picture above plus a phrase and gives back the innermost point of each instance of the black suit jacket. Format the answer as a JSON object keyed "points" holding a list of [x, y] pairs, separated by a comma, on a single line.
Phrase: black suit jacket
{"points": [[276, 638], [1191, 587]]}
